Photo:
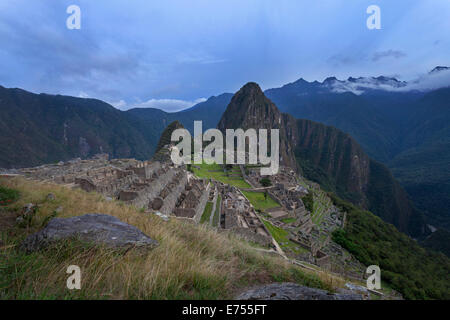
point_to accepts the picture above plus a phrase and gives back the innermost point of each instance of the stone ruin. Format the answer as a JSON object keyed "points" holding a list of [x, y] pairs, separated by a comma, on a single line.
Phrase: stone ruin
{"points": [[192, 200], [286, 190], [171, 190], [149, 185], [238, 215], [64, 172], [157, 187]]}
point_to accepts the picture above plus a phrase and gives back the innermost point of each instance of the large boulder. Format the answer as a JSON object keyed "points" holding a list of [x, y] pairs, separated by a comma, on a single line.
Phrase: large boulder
{"points": [[292, 291], [95, 228]]}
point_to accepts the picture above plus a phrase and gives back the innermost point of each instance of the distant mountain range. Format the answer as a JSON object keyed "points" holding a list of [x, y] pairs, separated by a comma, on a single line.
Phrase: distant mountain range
{"points": [[208, 111], [328, 156], [395, 123], [43, 128], [408, 130]]}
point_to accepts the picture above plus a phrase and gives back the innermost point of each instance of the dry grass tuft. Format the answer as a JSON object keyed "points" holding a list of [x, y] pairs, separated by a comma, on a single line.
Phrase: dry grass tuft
{"points": [[191, 262]]}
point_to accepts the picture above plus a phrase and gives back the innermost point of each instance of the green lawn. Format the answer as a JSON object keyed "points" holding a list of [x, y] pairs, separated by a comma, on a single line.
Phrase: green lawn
{"points": [[206, 213], [288, 220], [282, 237], [215, 171], [8, 196], [259, 202], [251, 166]]}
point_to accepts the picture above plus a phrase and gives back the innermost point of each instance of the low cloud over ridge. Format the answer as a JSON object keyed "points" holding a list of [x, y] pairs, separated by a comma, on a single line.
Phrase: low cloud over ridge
{"points": [[425, 82], [168, 105]]}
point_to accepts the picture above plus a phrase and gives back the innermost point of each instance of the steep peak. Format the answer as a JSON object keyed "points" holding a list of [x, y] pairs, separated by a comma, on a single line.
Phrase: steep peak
{"points": [[250, 89], [300, 84], [251, 85], [249, 108], [166, 136], [386, 79], [330, 80], [301, 81], [439, 69], [175, 124]]}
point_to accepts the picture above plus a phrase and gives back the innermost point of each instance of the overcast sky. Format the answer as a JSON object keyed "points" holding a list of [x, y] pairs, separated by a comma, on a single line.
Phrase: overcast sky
{"points": [[172, 54]]}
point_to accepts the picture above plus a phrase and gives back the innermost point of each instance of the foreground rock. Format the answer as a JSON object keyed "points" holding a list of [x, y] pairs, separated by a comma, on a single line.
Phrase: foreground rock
{"points": [[292, 291], [96, 228]]}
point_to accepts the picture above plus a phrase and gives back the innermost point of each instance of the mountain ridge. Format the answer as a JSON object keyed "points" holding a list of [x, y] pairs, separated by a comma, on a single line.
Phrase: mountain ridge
{"points": [[335, 158], [374, 125], [50, 128]]}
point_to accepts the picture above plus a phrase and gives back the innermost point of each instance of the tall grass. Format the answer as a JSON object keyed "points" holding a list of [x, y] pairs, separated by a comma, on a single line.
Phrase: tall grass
{"points": [[191, 262]]}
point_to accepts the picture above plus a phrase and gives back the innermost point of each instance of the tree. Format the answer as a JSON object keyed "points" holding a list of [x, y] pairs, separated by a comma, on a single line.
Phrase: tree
{"points": [[265, 182]]}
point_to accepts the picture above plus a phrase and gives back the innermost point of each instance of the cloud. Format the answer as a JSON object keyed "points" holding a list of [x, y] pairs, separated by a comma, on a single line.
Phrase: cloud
{"points": [[197, 57], [65, 61], [430, 81], [362, 84], [396, 54], [121, 105], [168, 105], [343, 60], [197, 49], [425, 82]]}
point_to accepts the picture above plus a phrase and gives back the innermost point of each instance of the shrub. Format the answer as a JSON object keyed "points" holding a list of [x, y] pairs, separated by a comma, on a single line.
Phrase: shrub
{"points": [[308, 201], [413, 271], [265, 182], [8, 196]]}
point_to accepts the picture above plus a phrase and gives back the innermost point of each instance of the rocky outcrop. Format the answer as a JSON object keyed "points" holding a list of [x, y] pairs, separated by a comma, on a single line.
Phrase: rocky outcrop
{"points": [[95, 228], [250, 109], [336, 155], [292, 291], [162, 153]]}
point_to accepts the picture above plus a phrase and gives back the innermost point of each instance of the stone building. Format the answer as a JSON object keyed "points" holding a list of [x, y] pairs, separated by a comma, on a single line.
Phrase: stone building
{"points": [[192, 200], [238, 215]]}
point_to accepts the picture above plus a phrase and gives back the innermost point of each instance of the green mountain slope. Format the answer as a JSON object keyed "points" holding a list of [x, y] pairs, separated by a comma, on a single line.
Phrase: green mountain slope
{"points": [[40, 128], [37, 129], [328, 156], [337, 162], [409, 131], [416, 272]]}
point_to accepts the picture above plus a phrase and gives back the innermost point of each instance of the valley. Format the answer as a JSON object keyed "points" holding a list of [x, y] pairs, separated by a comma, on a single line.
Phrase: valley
{"points": [[241, 151], [386, 124], [285, 217]]}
